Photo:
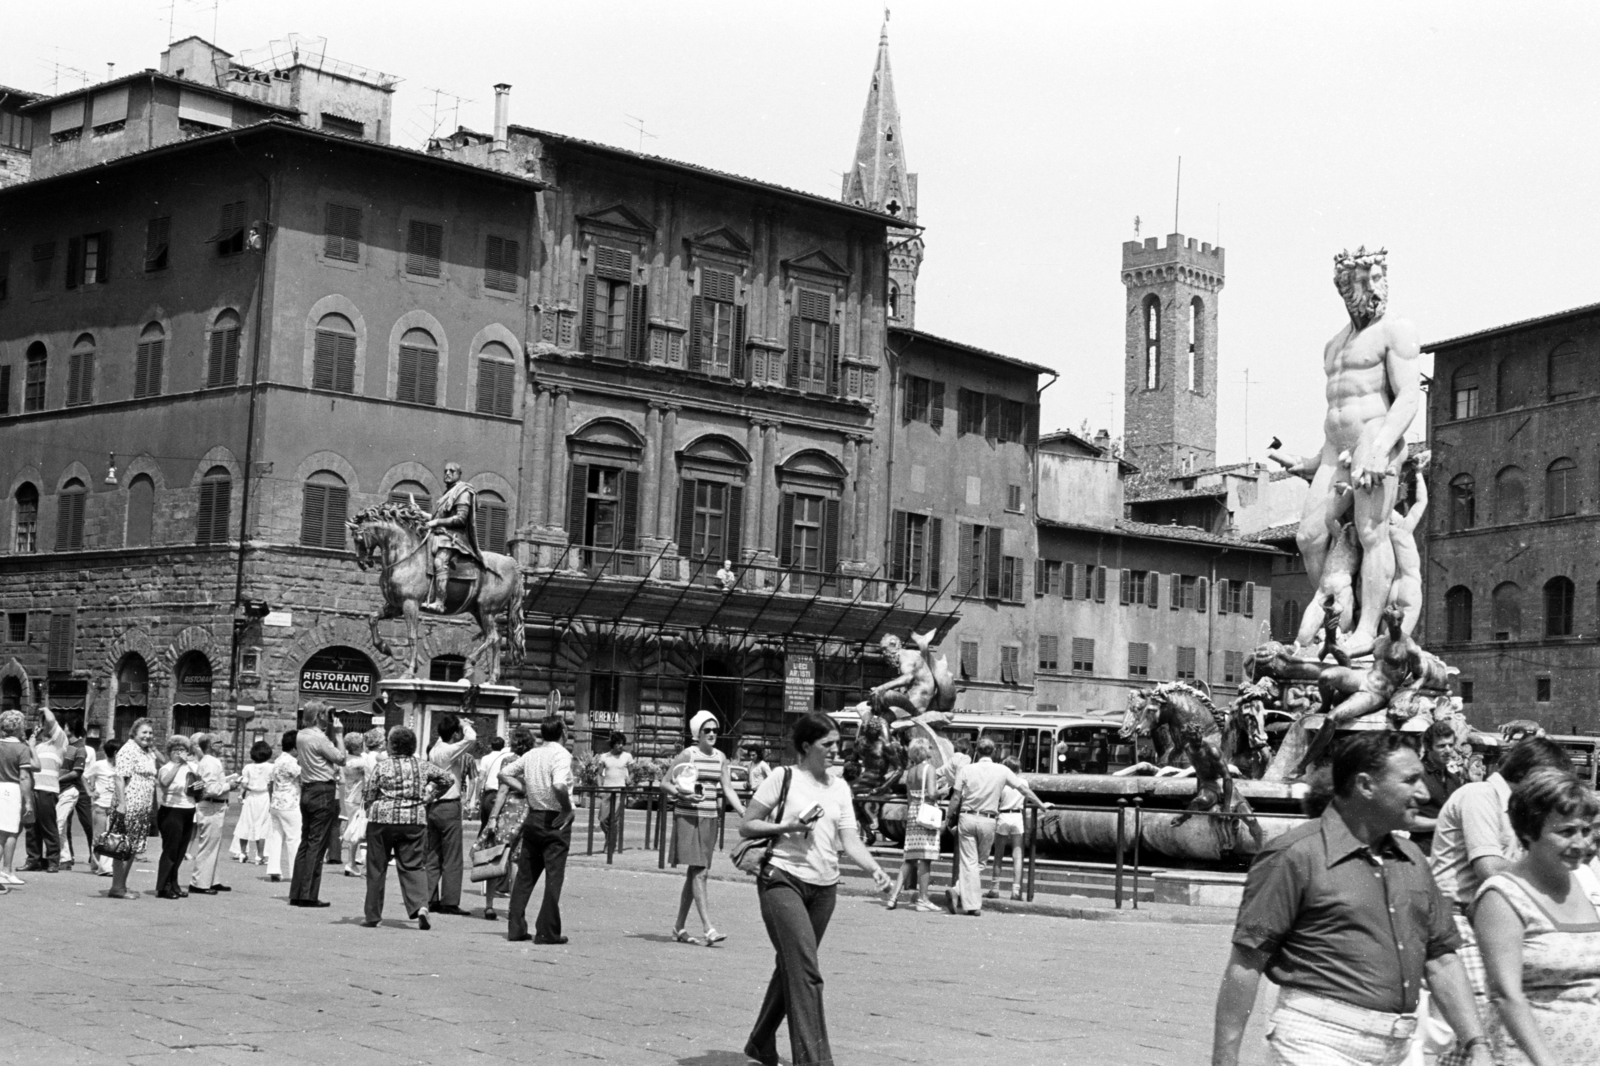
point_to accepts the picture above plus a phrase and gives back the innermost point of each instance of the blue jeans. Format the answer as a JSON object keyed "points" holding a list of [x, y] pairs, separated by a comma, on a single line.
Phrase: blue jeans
{"points": [[796, 914]]}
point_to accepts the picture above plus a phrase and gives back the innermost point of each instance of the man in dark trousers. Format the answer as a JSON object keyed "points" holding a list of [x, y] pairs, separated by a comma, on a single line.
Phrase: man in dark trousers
{"points": [[545, 776], [320, 759]]}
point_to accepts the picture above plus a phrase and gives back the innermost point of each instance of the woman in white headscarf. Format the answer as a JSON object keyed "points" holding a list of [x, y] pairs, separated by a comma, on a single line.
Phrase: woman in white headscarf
{"points": [[697, 782]]}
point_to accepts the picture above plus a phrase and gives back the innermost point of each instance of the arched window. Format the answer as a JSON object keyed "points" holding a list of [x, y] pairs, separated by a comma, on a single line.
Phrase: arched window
{"points": [[147, 361], [1506, 606], [211, 525], [1464, 392], [1463, 503], [1197, 375], [222, 361], [80, 371], [490, 514], [419, 368], [1559, 594], [133, 693], [497, 380], [335, 363], [894, 300], [25, 535], [1510, 495], [33, 383], [1152, 342], [10, 694], [325, 505], [809, 529], [69, 516], [1458, 614], [412, 492], [1568, 372], [1561, 488], [141, 511]]}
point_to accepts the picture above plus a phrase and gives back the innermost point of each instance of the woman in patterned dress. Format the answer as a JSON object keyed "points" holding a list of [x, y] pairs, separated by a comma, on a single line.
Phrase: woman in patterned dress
{"points": [[508, 828], [921, 848], [1540, 932], [697, 782], [136, 799]]}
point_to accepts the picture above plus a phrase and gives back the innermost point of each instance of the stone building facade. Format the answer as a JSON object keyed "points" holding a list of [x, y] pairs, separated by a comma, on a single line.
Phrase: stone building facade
{"points": [[1514, 518], [16, 139]]}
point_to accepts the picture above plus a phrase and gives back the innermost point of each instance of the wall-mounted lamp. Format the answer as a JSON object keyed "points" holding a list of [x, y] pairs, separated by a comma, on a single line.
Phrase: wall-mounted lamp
{"points": [[111, 468]]}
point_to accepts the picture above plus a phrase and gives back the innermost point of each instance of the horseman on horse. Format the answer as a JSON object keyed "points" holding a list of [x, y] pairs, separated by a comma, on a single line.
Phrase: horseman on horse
{"points": [[453, 529]]}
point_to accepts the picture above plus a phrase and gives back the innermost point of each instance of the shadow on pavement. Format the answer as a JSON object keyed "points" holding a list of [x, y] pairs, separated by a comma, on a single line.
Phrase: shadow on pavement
{"points": [[662, 938], [715, 1058]]}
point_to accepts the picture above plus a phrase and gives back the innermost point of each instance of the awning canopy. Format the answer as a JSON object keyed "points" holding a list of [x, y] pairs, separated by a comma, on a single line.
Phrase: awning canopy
{"points": [[555, 596]]}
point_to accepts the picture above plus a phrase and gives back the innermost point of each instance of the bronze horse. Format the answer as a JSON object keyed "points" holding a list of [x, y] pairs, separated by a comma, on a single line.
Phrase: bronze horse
{"points": [[393, 536], [1206, 735]]}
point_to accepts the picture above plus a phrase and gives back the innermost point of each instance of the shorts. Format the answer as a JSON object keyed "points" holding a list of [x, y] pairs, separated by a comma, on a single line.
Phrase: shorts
{"points": [[10, 808], [694, 840], [1009, 824]]}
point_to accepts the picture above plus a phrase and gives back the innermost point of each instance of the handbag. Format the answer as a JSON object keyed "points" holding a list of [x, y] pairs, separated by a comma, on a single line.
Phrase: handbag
{"points": [[195, 786], [115, 843], [355, 828], [928, 815], [490, 861], [751, 853]]}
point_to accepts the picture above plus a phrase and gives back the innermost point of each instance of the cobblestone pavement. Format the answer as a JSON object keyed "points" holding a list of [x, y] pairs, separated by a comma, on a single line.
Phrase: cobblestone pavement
{"points": [[243, 978]]}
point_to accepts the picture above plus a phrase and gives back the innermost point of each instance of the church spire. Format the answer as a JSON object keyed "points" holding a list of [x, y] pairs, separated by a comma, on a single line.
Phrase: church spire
{"points": [[877, 179]]}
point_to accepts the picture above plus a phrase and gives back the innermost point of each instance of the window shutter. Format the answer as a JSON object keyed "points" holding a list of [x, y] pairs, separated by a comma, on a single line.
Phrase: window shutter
{"points": [[141, 369], [1249, 604], [230, 356], [993, 406], [786, 530], [497, 530], [202, 531], [686, 491], [733, 543], [1152, 589], [327, 355], [1030, 429], [908, 398], [74, 261], [428, 376], [1099, 584], [936, 406], [338, 509], [738, 347], [586, 334], [991, 563], [792, 378], [1039, 579], [63, 641], [221, 491], [695, 303], [577, 501], [830, 536], [965, 578], [407, 389], [1202, 594], [152, 371], [630, 510], [835, 374], [102, 269], [217, 355], [488, 384], [1069, 580], [897, 548], [1222, 595], [344, 377], [1175, 591], [935, 552], [1122, 586], [313, 508], [156, 239], [639, 324]]}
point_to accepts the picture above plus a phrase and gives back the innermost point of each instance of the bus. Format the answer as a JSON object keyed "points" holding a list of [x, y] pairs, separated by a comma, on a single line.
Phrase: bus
{"points": [[1048, 744]]}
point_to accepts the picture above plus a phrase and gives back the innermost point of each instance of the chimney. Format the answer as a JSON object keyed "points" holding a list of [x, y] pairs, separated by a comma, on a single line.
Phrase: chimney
{"points": [[502, 114], [1102, 440]]}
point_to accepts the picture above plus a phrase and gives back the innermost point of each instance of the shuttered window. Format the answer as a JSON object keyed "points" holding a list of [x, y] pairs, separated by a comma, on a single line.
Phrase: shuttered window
{"points": [[923, 401], [341, 233], [424, 248], [1094, 582], [229, 237], [63, 654], [1138, 659], [603, 514], [501, 263], [211, 523], [969, 411], [412, 494], [1049, 651], [490, 516], [716, 327], [1009, 669], [157, 242], [325, 504], [1082, 655], [1185, 664], [80, 374], [1232, 667], [334, 365], [1011, 571], [710, 521], [69, 516], [497, 380], [969, 659], [916, 550], [808, 539], [222, 360], [89, 259], [418, 380], [147, 360], [813, 344], [25, 523]]}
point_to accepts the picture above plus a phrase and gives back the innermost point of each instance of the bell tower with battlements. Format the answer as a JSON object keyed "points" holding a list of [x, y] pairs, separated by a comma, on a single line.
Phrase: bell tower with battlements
{"points": [[877, 179], [1170, 374]]}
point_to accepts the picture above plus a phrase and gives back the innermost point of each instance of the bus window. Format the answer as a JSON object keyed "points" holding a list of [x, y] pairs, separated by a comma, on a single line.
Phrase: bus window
{"points": [[1030, 751]]}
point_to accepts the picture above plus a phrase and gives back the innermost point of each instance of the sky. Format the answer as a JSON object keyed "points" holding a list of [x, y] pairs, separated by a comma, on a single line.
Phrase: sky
{"points": [[1461, 136]]}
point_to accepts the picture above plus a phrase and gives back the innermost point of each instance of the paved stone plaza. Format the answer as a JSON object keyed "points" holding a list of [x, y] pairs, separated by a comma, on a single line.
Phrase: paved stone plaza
{"points": [[243, 978]]}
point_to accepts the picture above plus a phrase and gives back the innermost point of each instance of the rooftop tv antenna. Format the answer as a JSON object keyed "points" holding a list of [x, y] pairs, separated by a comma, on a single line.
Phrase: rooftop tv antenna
{"points": [[640, 129]]}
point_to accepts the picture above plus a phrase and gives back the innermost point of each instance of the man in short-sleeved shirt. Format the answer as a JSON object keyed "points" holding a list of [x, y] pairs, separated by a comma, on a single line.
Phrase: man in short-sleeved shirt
{"points": [[974, 811], [49, 751], [614, 771], [546, 775], [1343, 916]]}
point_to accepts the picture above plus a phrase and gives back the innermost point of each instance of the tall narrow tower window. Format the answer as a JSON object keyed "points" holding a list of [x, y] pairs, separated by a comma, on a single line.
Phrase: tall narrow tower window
{"points": [[1196, 370], [1152, 343]]}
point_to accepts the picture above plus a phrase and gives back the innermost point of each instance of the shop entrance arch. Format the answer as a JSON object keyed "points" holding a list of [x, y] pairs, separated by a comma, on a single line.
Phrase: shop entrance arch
{"points": [[344, 678], [133, 694], [191, 694]]}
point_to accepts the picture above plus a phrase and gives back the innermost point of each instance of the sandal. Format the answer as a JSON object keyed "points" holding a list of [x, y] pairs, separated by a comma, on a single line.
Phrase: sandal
{"points": [[891, 903], [1017, 896], [927, 906], [682, 936], [714, 937]]}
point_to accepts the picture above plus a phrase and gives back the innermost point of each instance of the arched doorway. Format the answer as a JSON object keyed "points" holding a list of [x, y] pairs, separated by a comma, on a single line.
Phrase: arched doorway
{"points": [[133, 694], [10, 694], [344, 678], [191, 694]]}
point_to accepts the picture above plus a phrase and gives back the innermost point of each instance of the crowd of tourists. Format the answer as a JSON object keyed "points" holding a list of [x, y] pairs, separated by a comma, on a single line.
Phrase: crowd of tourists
{"points": [[1418, 918]]}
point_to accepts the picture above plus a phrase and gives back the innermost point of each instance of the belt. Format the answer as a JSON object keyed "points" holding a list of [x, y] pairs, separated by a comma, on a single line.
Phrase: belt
{"points": [[983, 814], [1361, 1019]]}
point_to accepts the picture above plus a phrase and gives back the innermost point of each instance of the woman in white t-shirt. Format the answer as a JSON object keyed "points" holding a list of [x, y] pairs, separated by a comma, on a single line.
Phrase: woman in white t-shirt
{"points": [[799, 884], [175, 816]]}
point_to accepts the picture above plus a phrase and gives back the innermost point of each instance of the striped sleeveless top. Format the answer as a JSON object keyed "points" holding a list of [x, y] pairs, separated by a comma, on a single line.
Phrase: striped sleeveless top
{"points": [[708, 774]]}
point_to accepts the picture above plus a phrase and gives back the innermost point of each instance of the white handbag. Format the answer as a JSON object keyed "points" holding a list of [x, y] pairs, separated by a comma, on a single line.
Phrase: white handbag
{"points": [[928, 815]]}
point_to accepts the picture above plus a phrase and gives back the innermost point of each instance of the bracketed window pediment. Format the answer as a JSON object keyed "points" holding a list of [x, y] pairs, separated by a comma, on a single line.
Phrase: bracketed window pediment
{"points": [[816, 263], [716, 453], [719, 240], [812, 467], [618, 219]]}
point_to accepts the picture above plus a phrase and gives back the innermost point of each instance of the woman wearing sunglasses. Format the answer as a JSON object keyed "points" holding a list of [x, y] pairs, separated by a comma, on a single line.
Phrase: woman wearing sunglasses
{"points": [[697, 781]]}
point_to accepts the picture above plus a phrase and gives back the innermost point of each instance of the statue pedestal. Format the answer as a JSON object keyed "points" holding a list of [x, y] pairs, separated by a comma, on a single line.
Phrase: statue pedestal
{"points": [[419, 705]]}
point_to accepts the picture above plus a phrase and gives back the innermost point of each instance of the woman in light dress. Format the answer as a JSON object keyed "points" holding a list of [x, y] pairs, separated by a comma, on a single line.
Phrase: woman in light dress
{"points": [[697, 782], [255, 816], [136, 799], [16, 763], [1539, 930], [354, 775], [921, 849]]}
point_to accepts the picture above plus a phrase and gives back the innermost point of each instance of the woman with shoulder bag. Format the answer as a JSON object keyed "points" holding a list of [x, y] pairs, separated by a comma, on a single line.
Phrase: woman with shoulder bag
{"points": [[923, 821], [799, 885]]}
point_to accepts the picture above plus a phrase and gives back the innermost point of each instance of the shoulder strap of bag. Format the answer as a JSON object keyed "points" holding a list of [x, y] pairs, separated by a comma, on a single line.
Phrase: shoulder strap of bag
{"points": [[783, 791]]}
